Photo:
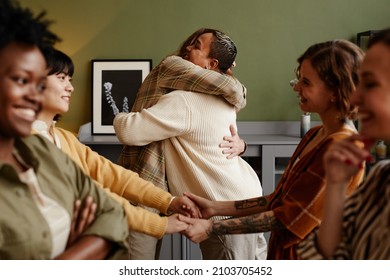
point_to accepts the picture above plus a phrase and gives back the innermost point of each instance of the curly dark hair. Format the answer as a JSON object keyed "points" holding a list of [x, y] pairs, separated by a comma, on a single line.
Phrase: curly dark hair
{"points": [[19, 24]]}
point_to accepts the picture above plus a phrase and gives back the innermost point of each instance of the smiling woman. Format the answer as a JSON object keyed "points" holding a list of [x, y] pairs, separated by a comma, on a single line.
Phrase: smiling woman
{"points": [[59, 86], [37, 223], [357, 227], [23, 74]]}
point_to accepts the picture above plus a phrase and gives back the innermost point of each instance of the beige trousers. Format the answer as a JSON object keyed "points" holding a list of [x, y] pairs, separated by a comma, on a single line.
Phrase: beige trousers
{"points": [[143, 247], [234, 247]]}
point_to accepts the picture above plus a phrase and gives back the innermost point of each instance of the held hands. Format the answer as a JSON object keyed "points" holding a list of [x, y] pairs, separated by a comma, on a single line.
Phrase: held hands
{"points": [[83, 217], [189, 224], [185, 206], [206, 206], [197, 229], [175, 224], [233, 145]]}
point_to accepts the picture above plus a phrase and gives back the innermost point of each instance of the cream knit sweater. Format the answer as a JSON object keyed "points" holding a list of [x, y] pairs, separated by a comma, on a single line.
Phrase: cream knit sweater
{"points": [[192, 125]]}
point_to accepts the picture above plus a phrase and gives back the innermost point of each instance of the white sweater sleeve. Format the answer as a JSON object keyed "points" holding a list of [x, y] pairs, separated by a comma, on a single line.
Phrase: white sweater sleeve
{"points": [[169, 117]]}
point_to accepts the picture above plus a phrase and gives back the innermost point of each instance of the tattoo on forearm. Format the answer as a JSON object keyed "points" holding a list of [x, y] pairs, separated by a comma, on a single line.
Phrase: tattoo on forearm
{"points": [[249, 203], [249, 224]]}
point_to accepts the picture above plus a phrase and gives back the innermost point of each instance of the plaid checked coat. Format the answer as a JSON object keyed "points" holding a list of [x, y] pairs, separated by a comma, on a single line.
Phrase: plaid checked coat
{"points": [[174, 73]]}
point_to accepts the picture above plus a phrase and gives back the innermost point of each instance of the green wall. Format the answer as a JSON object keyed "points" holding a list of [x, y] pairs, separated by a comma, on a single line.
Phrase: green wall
{"points": [[269, 34]]}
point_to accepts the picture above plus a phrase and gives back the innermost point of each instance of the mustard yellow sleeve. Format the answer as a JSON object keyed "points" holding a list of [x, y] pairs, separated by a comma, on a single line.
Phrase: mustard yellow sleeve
{"points": [[119, 180], [142, 220]]}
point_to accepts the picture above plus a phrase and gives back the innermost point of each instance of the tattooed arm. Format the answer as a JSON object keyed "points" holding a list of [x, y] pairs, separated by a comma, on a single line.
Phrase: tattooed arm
{"points": [[250, 206], [199, 230], [262, 222]]}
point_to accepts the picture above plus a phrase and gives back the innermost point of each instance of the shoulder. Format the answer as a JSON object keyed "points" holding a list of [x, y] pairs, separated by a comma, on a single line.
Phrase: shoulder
{"points": [[379, 179], [176, 95], [66, 133], [174, 99], [188, 97], [312, 131], [374, 189], [174, 62], [344, 132], [43, 148], [382, 166], [172, 58], [37, 142]]}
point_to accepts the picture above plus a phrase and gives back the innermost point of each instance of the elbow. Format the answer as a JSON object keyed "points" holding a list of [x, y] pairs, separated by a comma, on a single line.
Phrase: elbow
{"points": [[124, 140], [121, 135], [128, 130], [120, 128], [125, 133]]}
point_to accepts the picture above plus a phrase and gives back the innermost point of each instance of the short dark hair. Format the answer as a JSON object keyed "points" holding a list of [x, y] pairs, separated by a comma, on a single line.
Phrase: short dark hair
{"points": [[59, 62], [18, 24], [222, 47]]}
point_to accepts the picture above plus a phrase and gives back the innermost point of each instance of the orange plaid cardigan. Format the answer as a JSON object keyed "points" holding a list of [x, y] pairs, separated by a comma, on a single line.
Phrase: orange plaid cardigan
{"points": [[298, 199]]}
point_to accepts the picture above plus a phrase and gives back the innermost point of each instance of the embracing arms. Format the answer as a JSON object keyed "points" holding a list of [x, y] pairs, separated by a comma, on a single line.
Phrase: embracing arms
{"points": [[176, 73]]}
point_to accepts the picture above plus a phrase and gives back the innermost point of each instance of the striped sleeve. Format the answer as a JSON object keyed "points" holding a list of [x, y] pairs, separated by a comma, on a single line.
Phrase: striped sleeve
{"points": [[365, 228]]}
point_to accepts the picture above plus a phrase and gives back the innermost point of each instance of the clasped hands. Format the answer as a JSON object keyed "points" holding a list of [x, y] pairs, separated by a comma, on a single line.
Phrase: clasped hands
{"points": [[191, 212], [191, 216]]}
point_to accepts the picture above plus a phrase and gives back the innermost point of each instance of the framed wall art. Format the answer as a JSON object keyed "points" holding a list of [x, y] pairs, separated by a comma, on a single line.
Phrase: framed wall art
{"points": [[114, 87]]}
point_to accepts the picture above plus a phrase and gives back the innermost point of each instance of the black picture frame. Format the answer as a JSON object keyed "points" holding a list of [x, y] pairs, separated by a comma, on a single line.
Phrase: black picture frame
{"points": [[115, 83]]}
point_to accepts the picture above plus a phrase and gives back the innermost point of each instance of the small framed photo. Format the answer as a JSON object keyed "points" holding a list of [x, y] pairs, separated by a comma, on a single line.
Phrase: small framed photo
{"points": [[114, 86]]}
